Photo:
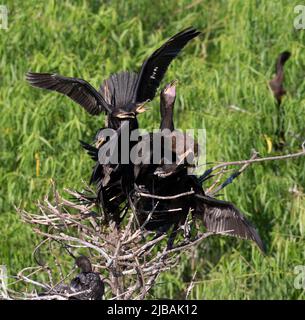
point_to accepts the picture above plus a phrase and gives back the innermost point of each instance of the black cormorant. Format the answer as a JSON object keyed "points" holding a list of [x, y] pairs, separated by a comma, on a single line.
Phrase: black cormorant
{"points": [[87, 283], [217, 215], [122, 96]]}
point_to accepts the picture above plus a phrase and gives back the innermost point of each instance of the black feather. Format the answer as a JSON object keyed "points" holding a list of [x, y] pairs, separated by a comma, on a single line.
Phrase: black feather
{"points": [[78, 90], [154, 68], [92, 151], [223, 217], [119, 89]]}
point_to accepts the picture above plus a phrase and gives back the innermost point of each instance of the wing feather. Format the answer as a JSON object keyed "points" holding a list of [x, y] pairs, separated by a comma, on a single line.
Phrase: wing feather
{"points": [[78, 90], [223, 217], [154, 68], [119, 89]]}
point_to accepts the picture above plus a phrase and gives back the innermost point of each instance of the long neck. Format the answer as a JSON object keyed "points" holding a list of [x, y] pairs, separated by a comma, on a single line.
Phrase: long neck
{"points": [[279, 68], [167, 121]]}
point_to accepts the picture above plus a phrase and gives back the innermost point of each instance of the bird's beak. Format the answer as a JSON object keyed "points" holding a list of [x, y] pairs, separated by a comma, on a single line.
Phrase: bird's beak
{"points": [[140, 108], [174, 83], [171, 87], [99, 142], [126, 115]]}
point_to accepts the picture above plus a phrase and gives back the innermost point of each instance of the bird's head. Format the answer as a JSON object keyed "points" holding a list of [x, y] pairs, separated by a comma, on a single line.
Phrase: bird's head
{"points": [[168, 94], [83, 263], [121, 114], [130, 111], [99, 138], [141, 107]]}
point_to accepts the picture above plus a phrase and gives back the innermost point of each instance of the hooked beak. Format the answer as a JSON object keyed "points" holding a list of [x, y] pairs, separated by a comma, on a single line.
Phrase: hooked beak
{"points": [[126, 115], [171, 86], [99, 142], [140, 108], [174, 83]]}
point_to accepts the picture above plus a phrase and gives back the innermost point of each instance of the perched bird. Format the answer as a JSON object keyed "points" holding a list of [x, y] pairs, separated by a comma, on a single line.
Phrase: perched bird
{"points": [[217, 215], [164, 179], [122, 97], [174, 147], [182, 147], [87, 283]]}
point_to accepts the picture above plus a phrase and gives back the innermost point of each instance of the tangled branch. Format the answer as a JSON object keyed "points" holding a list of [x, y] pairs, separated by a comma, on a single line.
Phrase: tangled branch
{"points": [[128, 258]]}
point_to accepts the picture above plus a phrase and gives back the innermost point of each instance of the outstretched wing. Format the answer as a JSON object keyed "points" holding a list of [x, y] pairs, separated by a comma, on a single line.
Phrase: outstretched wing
{"points": [[223, 217], [77, 89], [154, 68]]}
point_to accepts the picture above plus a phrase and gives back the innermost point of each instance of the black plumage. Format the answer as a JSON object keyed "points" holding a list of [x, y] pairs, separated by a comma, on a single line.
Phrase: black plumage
{"points": [[154, 68], [87, 283], [122, 97], [129, 91], [78, 90], [223, 217], [217, 216]]}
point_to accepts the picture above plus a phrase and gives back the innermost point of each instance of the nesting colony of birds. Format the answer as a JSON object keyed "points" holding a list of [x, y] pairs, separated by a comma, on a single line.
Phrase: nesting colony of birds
{"points": [[163, 194]]}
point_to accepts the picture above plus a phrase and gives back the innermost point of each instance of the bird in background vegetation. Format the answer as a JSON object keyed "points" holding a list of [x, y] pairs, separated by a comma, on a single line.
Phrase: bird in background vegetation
{"points": [[277, 87], [276, 84]]}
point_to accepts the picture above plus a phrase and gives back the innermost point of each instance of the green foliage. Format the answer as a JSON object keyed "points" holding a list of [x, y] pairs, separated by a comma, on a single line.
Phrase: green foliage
{"points": [[229, 64]]}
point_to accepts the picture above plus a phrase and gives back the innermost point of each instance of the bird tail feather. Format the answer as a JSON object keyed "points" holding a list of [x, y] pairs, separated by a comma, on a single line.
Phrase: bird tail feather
{"points": [[119, 89]]}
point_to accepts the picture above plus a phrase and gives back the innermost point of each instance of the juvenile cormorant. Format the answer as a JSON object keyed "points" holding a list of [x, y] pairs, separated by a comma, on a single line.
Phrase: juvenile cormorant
{"points": [[128, 92], [217, 215], [181, 145], [123, 94], [164, 179], [174, 144], [88, 283]]}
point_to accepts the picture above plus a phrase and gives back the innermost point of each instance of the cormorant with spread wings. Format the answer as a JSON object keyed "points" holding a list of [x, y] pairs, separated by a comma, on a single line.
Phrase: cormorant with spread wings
{"points": [[122, 96]]}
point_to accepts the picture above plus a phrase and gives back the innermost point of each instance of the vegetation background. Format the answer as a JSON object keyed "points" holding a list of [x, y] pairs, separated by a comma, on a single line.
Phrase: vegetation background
{"points": [[228, 65]]}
